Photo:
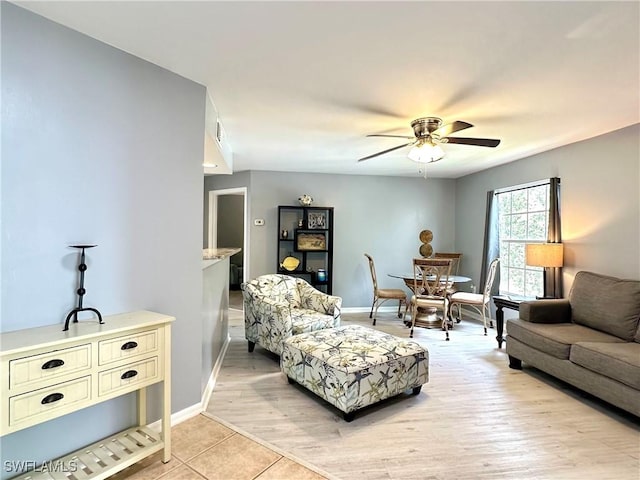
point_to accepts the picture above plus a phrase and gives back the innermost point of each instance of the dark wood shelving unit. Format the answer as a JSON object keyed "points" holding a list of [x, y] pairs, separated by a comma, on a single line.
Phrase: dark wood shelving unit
{"points": [[310, 240]]}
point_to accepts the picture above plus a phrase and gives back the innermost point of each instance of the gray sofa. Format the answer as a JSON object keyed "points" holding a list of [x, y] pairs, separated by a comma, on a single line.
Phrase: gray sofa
{"points": [[590, 340]]}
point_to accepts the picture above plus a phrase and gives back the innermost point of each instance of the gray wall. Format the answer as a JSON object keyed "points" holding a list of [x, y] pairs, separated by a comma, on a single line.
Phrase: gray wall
{"points": [[600, 203], [382, 216], [97, 146], [215, 315]]}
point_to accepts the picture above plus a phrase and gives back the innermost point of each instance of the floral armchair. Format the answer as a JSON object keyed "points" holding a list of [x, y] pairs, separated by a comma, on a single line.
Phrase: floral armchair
{"points": [[279, 306]]}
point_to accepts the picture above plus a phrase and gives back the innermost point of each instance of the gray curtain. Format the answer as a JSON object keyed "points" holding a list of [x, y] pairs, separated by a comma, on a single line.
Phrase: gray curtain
{"points": [[491, 248], [553, 276]]}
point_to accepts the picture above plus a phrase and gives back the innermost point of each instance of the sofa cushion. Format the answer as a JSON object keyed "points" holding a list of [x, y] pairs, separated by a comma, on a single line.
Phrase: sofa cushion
{"points": [[620, 361], [608, 304], [304, 320], [555, 338]]}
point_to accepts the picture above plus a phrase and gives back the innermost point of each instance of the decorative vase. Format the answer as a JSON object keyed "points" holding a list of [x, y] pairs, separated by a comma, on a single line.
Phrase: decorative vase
{"points": [[322, 275], [305, 200]]}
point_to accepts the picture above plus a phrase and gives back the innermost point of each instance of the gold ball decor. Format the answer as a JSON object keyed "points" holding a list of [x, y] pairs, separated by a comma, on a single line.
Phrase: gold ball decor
{"points": [[426, 236], [426, 250]]}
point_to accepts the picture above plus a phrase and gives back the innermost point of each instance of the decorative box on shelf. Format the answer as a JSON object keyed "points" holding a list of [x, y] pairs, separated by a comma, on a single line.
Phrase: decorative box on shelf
{"points": [[311, 241]]}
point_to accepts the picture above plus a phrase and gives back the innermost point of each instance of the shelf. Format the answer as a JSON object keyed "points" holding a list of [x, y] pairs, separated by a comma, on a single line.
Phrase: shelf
{"points": [[103, 458], [310, 240]]}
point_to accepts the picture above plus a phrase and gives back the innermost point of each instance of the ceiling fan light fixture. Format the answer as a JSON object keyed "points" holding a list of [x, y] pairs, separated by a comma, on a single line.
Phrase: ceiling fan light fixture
{"points": [[426, 153], [428, 133]]}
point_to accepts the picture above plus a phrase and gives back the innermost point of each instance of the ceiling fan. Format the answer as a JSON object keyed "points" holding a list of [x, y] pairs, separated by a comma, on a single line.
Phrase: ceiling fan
{"points": [[429, 132]]}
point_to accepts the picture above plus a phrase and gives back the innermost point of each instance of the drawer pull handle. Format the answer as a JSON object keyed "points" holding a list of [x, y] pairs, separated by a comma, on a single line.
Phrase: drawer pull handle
{"points": [[56, 362], [54, 397], [128, 374], [129, 346]]}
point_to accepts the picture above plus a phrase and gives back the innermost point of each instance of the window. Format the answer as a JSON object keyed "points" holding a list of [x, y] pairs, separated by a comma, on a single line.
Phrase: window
{"points": [[523, 214]]}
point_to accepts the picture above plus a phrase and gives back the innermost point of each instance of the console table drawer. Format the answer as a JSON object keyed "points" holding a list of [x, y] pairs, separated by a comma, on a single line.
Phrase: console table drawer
{"points": [[48, 366], [127, 346], [45, 403], [128, 376]]}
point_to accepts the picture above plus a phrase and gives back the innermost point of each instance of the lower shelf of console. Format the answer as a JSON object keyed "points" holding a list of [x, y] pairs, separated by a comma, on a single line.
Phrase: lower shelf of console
{"points": [[101, 459]]}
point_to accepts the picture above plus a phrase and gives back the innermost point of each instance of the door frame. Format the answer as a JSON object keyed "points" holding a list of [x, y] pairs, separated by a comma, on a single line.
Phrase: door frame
{"points": [[212, 240]]}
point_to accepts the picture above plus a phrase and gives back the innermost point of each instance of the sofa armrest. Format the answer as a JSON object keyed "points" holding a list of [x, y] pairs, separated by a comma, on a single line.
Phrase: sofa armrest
{"points": [[546, 311], [334, 306], [259, 310], [314, 299]]}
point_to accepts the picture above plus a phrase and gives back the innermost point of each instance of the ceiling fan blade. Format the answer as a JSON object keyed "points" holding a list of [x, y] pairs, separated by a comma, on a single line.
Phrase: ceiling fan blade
{"points": [[450, 128], [393, 136], [385, 151], [480, 142]]}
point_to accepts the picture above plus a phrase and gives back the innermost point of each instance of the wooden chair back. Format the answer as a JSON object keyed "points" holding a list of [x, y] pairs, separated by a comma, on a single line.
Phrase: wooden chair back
{"points": [[431, 276], [372, 269], [491, 275], [455, 257]]}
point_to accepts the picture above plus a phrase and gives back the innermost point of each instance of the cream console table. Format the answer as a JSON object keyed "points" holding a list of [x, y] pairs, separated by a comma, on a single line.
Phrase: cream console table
{"points": [[47, 373]]}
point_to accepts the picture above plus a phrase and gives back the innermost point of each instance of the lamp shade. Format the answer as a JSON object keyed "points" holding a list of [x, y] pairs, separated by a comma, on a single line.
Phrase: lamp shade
{"points": [[426, 153], [544, 254]]}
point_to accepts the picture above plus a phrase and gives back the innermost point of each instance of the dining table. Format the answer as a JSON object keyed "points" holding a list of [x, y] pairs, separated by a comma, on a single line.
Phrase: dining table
{"points": [[427, 317], [408, 278]]}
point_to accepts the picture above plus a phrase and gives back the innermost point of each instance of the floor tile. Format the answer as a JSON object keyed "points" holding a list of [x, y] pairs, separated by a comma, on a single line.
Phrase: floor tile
{"points": [[236, 458], [195, 435], [288, 469], [182, 473], [149, 468]]}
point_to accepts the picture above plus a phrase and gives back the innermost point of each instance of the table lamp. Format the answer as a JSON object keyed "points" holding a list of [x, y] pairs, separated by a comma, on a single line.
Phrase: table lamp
{"points": [[546, 255]]}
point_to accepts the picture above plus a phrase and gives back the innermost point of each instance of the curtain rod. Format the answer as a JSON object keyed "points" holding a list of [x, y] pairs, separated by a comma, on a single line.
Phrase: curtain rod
{"points": [[524, 186]]}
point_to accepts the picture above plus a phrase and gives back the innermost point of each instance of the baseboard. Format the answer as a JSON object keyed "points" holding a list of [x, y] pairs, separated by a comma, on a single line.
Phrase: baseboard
{"points": [[368, 309], [198, 408], [467, 315], [211, 383], [178, 417]]}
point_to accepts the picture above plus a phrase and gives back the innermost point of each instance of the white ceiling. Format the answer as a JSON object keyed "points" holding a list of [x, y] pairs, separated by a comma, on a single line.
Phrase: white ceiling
{"points": [[298, 85]]}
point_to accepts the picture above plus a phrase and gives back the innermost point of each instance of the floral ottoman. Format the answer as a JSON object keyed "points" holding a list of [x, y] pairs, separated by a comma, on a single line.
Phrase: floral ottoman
{"points": [[354, 366]]}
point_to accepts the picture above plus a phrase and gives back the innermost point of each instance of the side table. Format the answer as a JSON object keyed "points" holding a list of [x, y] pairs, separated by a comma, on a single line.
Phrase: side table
{"points": [[506, 301]]}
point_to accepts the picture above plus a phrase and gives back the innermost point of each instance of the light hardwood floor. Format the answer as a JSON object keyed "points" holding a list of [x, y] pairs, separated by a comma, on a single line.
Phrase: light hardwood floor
{"points": [[476, 418]]}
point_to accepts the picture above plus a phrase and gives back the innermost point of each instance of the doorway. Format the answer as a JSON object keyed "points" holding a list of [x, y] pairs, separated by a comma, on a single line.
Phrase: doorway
{"points": [[228, 228]]}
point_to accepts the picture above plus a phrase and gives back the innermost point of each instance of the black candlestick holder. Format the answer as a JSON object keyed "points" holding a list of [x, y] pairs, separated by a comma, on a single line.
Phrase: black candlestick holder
{"points": [[82, 267]]}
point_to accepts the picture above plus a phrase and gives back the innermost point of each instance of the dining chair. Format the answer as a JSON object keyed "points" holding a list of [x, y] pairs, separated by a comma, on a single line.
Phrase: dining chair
{"points": [[480, 302], [430, 280], [381, 295], [455, 265], [455, 257]]}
